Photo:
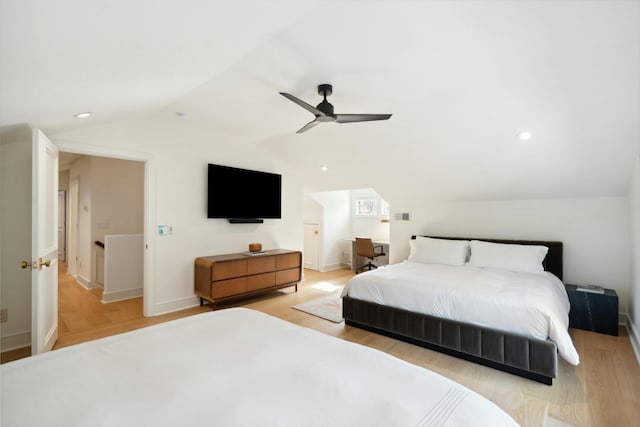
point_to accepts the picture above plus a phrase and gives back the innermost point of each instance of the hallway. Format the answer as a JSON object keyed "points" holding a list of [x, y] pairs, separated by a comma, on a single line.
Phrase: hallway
{"points": [[81, 311], [82, 316]]}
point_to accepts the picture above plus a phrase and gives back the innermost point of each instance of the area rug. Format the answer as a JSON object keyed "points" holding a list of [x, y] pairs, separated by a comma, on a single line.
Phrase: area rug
{"points": [[329, 307]]}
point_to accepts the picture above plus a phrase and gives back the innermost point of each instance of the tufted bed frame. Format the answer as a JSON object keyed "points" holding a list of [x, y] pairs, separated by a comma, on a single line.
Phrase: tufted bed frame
{"points": [[528, 357]]}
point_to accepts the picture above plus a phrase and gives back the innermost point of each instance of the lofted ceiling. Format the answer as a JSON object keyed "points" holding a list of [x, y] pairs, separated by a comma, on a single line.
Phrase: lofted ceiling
{"points": [[461, 78]]}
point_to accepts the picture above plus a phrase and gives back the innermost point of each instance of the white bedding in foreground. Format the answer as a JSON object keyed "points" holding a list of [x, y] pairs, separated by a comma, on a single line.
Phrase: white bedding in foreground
{"points": [[530, 304], [234, 367]]}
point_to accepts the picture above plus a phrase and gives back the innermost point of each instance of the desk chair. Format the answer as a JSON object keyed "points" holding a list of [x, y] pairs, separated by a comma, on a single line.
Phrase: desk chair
{"points": [[365, 248]]}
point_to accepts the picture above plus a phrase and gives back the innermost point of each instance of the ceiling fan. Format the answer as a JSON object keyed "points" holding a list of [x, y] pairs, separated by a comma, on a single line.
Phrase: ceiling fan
{"points": [[324, 110]]}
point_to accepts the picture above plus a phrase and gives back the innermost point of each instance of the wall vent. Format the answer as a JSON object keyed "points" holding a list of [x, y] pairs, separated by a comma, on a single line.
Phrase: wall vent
{"points": [[402, 216]]}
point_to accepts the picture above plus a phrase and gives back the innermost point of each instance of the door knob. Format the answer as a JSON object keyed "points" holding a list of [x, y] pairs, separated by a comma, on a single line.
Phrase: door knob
{"points": [[27, 264], [46, 263], [315, 231]]}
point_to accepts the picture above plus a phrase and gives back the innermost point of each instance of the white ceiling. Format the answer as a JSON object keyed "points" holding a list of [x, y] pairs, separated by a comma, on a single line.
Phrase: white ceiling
{"points": [[461, 78]]}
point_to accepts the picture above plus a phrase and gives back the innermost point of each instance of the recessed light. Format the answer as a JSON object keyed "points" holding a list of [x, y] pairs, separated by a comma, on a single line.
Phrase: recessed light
{"points": [[183, 116], [324, 168], [83, 115], [524, 135]]}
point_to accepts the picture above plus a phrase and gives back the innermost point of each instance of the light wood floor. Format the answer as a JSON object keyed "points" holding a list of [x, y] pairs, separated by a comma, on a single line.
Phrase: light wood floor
{"points": [[604, 390]]}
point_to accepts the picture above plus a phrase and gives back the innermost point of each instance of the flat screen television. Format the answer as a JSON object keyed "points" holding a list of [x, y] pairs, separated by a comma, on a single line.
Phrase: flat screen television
{"points": [[243, 195]]}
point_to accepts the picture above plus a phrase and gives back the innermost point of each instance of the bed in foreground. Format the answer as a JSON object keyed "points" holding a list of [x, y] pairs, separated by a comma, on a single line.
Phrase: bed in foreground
{"points": [[504, 306], [233, 367]]}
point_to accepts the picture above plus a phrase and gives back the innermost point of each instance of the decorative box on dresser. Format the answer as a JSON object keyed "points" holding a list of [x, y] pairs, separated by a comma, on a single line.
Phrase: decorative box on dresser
{"points": [[232, 276], [593, 311]]}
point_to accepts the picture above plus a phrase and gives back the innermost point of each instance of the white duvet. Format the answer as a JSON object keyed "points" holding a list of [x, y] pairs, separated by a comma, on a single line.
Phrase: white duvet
{"points": [[531, 304], [234, 367]]}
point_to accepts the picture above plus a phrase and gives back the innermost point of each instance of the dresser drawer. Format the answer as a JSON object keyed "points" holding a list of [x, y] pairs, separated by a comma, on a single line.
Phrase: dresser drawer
{"points": [[229, 269], [225, 288], [261, 281], [287, 276], [286, 261], [261, 264]]}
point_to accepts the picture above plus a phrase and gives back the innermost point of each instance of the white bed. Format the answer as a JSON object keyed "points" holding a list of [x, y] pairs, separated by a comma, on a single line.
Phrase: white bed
{"points": [[234, 367], [529, 304]]}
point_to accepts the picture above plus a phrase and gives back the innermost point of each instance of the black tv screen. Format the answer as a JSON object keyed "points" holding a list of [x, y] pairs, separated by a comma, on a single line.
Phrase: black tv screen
{"points": [[243, 194]]}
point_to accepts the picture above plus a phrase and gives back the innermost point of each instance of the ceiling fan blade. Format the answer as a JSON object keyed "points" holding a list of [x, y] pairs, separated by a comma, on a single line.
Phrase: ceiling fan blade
{"points": [[313, 110], [308, 126], [352, 118]]}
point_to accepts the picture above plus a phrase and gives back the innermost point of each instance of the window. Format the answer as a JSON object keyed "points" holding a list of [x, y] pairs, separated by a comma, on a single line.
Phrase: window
{"points": [[384, 209], [366, 204], [366, 207]]}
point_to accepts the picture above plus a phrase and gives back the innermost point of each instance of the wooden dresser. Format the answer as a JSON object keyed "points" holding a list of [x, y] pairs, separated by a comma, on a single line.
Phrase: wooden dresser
{"points": [[231, 276]]}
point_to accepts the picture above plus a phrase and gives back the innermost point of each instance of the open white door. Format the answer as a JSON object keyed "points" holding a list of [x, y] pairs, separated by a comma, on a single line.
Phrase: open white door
{"points": [[311, 246], [44, 246]]}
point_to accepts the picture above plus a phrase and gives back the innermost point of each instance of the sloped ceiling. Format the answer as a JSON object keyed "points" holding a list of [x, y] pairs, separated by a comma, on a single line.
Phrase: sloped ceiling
{"points": [[461, 79]]}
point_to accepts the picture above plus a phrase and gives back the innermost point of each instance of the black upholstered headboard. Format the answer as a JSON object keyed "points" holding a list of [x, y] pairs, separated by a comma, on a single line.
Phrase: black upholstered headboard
{"points": [[552, 262]]}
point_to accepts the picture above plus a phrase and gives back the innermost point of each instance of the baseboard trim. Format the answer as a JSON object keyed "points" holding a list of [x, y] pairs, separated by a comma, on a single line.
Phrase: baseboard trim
{"points": [[15, 341], [83, 281], [333, 267], [108, 297], [171, 306], [634, 337]]}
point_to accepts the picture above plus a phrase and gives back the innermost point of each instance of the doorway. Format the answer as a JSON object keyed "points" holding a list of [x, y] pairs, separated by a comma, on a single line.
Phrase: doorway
{"points": [[106, 201], [17, 161], [62, 225], [72, 228]]}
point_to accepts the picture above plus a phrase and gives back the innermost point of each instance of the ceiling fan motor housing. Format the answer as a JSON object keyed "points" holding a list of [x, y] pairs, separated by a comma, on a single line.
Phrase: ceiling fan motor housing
{"points": [[325, 90], [326, 108]]}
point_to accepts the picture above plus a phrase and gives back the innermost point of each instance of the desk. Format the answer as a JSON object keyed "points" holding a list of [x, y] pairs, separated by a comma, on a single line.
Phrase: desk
{"points": [[357, 261]]}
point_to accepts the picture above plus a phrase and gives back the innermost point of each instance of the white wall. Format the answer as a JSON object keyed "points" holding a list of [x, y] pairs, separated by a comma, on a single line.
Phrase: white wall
{"points": [[15, 245], [634, 284], [313, 212], [373, 228], [176, 169], [595, 232], [117, 197], [123, 259]]}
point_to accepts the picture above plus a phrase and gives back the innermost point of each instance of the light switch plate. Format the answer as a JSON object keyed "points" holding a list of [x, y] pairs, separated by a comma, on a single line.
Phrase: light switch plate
{"points": [[164, 230]]}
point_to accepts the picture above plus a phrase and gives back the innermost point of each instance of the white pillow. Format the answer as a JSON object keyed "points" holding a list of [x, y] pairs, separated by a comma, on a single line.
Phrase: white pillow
{"points": [[525, 258], [438, 251]]}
